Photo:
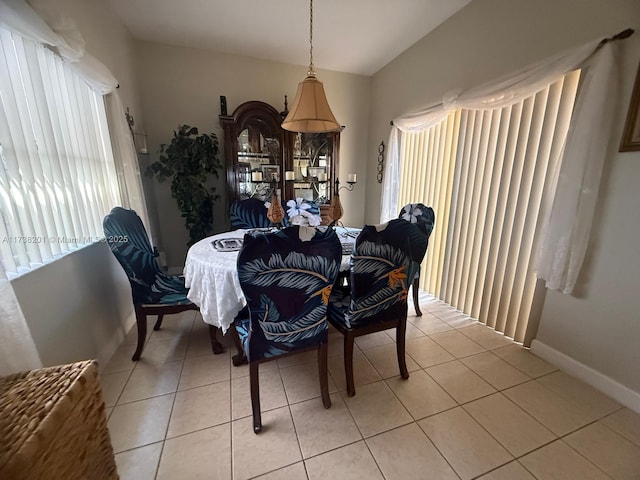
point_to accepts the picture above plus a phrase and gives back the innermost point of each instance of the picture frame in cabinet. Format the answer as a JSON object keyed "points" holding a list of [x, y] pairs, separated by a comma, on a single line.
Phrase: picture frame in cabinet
{"points": [[270, 173]]}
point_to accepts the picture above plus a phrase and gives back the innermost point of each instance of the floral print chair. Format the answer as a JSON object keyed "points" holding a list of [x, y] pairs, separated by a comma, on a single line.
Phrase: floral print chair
{"points": [[286, 277], [153, 291], [424, 217], [382, 267]]}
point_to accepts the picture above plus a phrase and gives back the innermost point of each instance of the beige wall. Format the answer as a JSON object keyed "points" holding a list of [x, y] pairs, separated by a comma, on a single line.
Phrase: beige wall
{"points": [[600, 328], [76, 307], [79, 306], [183, 86]]}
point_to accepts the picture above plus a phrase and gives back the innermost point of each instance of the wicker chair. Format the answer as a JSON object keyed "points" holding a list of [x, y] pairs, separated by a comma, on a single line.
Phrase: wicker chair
{"points": [[53, 425]]}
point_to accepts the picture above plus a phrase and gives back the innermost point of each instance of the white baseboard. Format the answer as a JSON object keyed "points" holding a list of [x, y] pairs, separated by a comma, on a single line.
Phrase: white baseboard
{"points": [[599, 381], [105, 353]]}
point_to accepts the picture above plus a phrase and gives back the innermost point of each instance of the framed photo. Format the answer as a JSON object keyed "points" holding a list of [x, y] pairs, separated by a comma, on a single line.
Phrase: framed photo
{"points": [[270, 172], [631, 135], [316, 171]]}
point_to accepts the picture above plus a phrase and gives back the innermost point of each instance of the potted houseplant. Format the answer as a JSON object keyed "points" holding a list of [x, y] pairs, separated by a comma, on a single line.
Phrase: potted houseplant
{"points": [[189, 160]]}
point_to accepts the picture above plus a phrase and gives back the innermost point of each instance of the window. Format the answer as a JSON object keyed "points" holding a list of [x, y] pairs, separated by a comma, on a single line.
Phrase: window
{"points": [[57, 175], [490, 176]]}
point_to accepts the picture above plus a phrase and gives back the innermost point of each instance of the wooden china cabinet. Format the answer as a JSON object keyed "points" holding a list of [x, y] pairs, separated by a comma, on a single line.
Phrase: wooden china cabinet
{"points": [[259, 153]]}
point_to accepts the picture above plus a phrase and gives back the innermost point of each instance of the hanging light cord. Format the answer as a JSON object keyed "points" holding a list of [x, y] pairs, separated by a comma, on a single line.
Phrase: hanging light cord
{"points": [[311, 72]]}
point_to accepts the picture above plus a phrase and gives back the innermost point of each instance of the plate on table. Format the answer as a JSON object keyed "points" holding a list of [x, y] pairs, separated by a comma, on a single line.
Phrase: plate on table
{"points": [[227, 244], [347, 248], [253, 231]]}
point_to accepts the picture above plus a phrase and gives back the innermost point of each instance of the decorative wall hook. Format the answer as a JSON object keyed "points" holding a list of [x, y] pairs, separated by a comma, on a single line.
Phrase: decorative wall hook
{"points": [[380, 161]]}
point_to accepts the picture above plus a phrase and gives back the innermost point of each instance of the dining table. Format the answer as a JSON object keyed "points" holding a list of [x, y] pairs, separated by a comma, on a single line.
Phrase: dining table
{"points": [[211, 274]]}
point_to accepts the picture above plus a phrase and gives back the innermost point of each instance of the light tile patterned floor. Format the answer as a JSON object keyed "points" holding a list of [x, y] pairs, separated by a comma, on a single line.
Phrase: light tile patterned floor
{"points": [[475, 406]]}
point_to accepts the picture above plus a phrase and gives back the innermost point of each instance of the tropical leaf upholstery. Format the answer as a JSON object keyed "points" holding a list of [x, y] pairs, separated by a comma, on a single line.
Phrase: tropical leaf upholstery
{"points": [[287, 282], [419, 214], [249, 213], [424, 217], [128, 240], [383, 263], [286, 277], [313, 207], [153, 291]]}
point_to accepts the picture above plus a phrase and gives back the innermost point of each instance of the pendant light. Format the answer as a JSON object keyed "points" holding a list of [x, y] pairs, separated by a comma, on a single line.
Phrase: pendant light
{"points": [[310, 112]]}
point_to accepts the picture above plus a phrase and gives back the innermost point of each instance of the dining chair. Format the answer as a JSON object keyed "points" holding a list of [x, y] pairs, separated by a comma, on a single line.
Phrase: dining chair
{"points": [[286, 277], [383, 263], [153, 291], [424, 217], [248, 213]]}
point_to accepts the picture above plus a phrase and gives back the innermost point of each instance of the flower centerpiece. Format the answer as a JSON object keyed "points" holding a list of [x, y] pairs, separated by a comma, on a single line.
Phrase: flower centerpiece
{"points": [[300, 213]]}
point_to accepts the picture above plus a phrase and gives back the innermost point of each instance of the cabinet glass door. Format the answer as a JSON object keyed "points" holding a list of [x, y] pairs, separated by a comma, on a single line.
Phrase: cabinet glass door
{"points": [[313, 164], [258, 164], [253, 150]]}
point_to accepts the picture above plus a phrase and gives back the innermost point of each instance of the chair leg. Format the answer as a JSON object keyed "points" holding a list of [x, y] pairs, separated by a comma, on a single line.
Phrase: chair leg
{"points": [[254, 386], [401, 331], [348, 363], [416, 302], [141, 322], [323, 374], [216, 346], [158, 322], [240, 358]]}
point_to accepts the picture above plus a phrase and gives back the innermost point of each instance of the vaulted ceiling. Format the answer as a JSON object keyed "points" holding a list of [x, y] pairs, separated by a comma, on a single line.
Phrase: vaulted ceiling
{"points": [[354, 36]]}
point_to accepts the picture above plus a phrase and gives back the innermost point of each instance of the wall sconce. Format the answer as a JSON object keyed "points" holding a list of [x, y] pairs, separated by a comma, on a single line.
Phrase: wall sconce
{"points": [[335, 208], [140, 141], [139, 138]]}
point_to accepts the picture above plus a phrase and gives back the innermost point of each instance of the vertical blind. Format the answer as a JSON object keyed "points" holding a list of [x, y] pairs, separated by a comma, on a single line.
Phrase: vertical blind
{"points": [[57, 176], [490, 176]]}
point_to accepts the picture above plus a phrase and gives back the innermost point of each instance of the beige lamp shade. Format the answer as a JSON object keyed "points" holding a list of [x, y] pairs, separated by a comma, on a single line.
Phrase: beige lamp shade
{"points": [[310, 112]]}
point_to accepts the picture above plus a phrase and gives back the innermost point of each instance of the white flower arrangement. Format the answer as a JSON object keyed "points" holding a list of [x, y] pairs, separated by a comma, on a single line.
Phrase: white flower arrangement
{"points": [[299, 213]]}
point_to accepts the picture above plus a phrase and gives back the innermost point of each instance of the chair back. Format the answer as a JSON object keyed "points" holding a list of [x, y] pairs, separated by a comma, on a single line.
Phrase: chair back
{"points": [[128, 240], [419, 214], [287, 277], [248, 213], [424, 217], [383, 265]]}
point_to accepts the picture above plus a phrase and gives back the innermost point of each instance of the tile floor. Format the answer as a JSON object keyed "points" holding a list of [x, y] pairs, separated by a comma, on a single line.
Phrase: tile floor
{"points": [[475, 406]]}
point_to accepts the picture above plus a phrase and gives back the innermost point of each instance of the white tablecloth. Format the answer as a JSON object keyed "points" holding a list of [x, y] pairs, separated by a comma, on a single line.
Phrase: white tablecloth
{"points": [[212, 277]]}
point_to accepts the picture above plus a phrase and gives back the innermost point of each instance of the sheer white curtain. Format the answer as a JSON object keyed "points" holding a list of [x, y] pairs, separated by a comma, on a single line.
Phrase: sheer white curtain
{"points": [[126, 160], [18, 17], [571, 216], [18, 350], [57, 177]]}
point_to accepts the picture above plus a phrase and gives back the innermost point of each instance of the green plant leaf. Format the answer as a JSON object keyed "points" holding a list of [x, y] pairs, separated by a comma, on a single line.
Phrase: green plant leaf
{"points": [[190, 160]]}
